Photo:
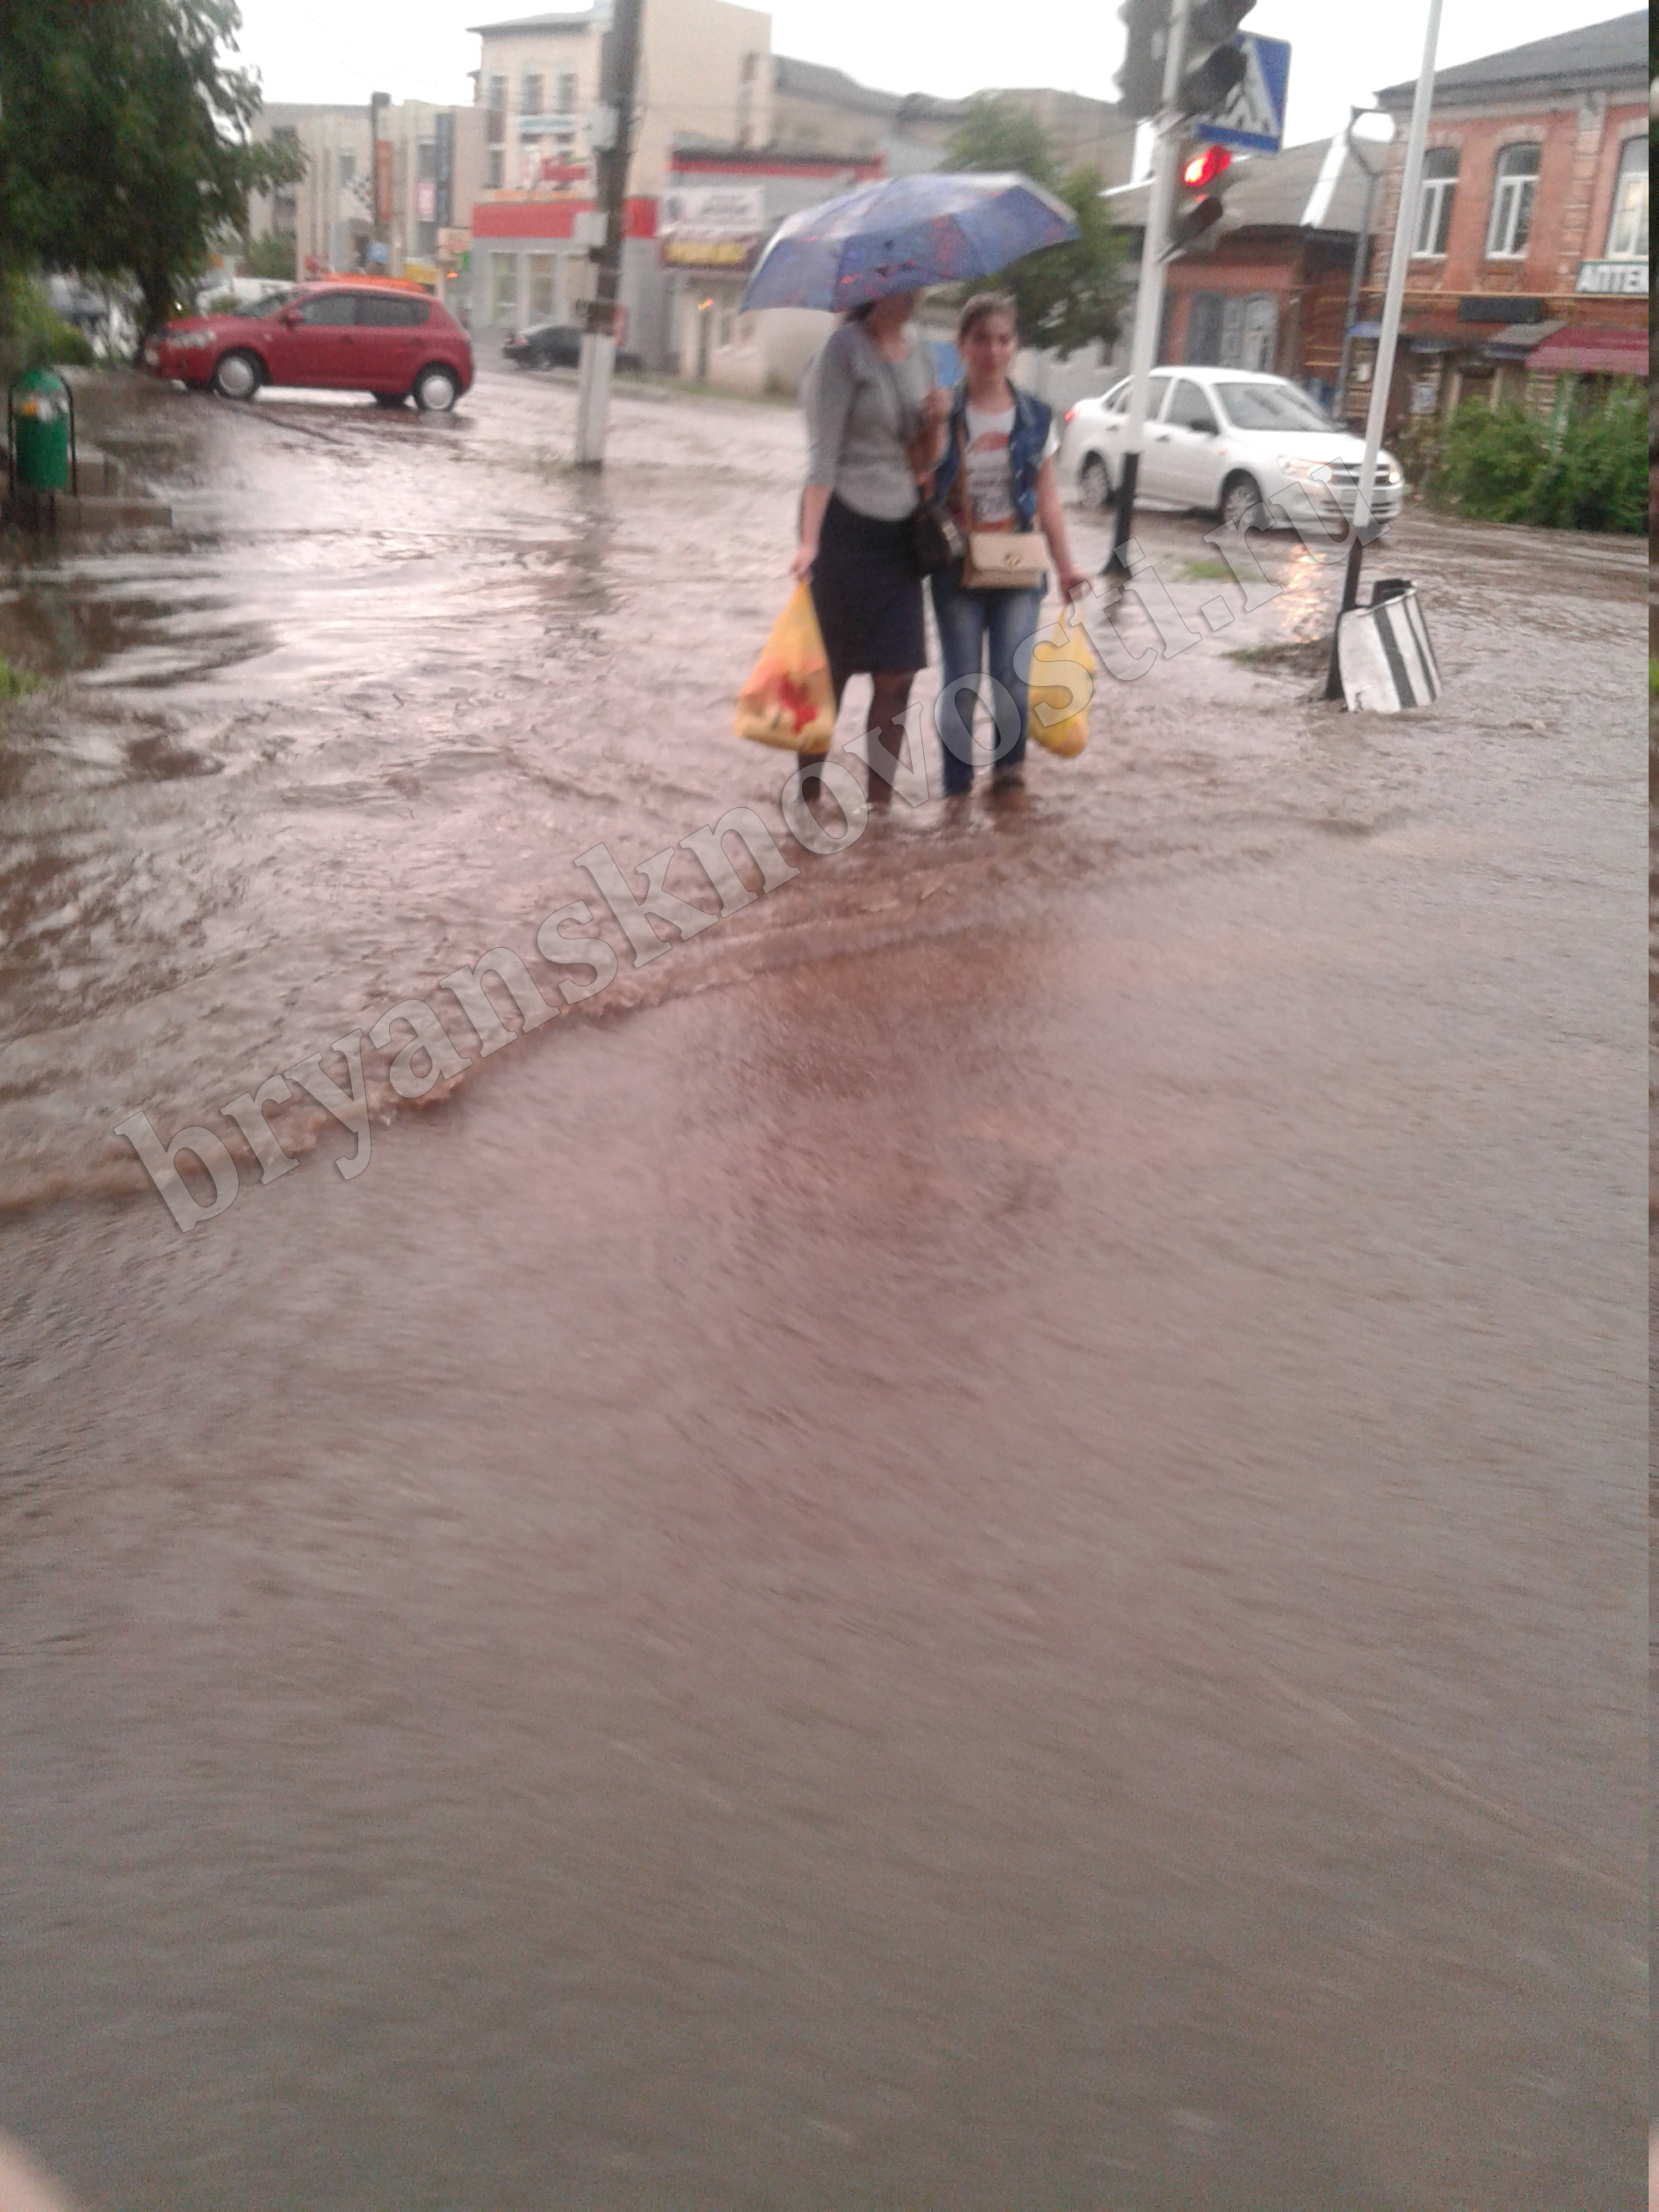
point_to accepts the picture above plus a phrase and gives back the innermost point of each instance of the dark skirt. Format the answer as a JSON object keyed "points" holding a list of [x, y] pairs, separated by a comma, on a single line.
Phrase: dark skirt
{"points": [[867, 591]]}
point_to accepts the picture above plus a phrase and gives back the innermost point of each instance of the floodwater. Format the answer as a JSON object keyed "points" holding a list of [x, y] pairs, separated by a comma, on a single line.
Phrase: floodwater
{"points": [[974, 1542]]}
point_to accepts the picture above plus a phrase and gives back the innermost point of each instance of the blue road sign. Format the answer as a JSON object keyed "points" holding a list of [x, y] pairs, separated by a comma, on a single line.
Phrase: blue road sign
{"points": [[1252, 118]]}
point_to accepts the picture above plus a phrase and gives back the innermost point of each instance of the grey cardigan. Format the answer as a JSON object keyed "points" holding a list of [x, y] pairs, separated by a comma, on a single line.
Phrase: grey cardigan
{"points": [[862, 411]]}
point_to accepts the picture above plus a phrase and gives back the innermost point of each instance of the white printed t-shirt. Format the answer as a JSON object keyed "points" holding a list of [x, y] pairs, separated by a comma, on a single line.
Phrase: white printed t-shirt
{"points": [[989, 473]]}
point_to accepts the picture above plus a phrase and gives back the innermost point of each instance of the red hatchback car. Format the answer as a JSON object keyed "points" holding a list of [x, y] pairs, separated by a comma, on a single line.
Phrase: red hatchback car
{"points": [[391, 339]]}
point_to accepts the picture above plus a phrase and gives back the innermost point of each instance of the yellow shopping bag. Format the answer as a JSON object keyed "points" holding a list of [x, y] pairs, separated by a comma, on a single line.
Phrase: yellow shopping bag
{"points": [[788, 700], [1062, 685]]}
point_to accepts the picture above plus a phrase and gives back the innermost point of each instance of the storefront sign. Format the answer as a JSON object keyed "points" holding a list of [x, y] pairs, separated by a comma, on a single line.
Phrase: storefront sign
{"points": [[681, 253], [1614, 276], [712, 226]]}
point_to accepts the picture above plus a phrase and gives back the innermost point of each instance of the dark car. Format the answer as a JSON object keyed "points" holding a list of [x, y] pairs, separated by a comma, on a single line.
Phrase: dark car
{"points": [[549, 345], [556, 345], [362, 335]]}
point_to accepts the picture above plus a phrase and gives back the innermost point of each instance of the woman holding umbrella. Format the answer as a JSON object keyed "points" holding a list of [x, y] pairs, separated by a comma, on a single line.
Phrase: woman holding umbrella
{"points": [[875, 422], [874, 414]]}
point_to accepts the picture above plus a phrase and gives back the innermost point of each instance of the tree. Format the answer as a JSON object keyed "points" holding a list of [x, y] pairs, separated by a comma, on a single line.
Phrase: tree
{"points": [[1068, 296], [124, 145], [270, 256]]}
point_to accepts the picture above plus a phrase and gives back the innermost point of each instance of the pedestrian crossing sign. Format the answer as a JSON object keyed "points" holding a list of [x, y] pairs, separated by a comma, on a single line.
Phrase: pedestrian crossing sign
{"points": [[1251, 118]]}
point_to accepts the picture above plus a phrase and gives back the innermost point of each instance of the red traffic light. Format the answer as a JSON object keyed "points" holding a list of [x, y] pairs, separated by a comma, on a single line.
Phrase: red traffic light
{"points": [[1204, 166]]}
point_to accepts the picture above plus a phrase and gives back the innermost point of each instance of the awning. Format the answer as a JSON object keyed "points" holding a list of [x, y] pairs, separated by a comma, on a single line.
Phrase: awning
{"points": [[1592, 350], [1413, 341], [1516, 341]]}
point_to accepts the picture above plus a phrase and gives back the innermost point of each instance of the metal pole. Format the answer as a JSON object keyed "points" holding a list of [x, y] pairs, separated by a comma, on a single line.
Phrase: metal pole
{"points": [[1382, 375], [619, 74], [1149, 298], [1362, 248]]}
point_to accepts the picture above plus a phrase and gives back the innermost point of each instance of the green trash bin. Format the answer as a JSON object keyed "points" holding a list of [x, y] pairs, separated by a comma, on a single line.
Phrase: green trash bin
{"points": [[40, 413]]}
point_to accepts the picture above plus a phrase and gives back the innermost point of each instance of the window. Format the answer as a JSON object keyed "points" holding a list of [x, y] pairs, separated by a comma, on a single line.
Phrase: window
{"points": [[331, 309], [1156, 388], [496, 104], [497, 171], [1273, 406], [503, 288], [1190, 411], [1511, 204], [1117, 401], [1204, 316], [568, 93], [385, 311], [530, 94], [345, 169], [538, 286], [1628, 233], [1434, 208], [1250, 343]]}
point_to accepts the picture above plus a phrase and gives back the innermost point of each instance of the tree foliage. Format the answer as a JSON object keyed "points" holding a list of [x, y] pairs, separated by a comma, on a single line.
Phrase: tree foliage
{"points": [[1588, 471], [124, 145], [1068, 296], [270, 256]]}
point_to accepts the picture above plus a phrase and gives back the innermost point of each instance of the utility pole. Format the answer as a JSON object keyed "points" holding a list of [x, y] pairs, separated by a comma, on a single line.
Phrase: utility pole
{"points": [[1362, 249], [613, 143], [1149, 298], [1388, 338]]}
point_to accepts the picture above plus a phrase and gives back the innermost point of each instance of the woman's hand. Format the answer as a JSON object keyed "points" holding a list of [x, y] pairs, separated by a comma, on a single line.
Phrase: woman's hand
{"points": [[935, 406], [801, 566], [1074, 582]]}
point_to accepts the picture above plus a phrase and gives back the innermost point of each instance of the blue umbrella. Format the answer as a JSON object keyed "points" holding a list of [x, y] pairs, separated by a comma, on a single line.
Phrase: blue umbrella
{"points": [[901, 233]]}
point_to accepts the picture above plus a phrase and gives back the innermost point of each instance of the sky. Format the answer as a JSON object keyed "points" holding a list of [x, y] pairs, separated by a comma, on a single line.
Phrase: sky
{"points": [[342, 50]]}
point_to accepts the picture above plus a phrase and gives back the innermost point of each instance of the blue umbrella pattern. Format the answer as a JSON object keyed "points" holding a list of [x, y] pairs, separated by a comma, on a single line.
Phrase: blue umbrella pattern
{"points": [[902, 234]]}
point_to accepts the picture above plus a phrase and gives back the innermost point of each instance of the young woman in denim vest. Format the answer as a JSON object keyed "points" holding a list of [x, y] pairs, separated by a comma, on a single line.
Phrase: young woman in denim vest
{"points": [[997, 473]]}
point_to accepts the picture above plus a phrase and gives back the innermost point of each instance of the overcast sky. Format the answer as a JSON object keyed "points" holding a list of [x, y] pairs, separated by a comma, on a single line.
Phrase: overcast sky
{"points": [[342, 50]]}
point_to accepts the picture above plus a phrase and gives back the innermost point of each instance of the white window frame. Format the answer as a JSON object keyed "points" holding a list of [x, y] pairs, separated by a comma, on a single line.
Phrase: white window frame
{"points": [[1434, 208], [1514, 198], [1629, 171]]}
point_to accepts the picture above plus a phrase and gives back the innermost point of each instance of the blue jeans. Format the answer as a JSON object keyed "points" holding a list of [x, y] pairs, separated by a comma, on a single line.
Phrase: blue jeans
{"points": [[970, 622]]}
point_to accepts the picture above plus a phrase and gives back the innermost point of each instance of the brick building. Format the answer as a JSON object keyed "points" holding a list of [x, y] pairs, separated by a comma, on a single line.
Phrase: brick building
{"points": [[1529, 257], [1269, 290]]}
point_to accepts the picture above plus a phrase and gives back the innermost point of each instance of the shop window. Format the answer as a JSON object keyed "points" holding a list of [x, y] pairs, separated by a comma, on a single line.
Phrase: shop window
{"points": [[1513, 195], [538, 288], [503, 288], [1434, 208], [1627, 232]]}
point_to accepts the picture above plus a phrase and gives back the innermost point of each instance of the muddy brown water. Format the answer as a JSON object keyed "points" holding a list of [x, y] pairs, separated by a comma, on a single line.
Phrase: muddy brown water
{"points": [[980, 1552]]}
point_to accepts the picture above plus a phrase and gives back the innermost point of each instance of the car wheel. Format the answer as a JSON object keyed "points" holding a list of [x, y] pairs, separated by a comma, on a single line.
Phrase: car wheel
{"points": [[237, 376], [1094, 482], [1241, 506], [435, 392], [390, 399]]}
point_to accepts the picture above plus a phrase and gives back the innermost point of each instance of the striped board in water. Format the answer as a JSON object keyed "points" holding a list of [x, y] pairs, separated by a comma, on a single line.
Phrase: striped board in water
{"points": [[1383, 651]]}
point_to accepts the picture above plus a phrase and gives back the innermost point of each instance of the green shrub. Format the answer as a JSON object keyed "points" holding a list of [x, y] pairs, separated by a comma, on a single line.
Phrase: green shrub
{"points": [[1494, 457], [16, 682], [1586, 471], [31, 335]]}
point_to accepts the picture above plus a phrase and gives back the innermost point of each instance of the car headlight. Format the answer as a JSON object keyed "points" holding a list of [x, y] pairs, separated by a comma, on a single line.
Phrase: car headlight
{"points": [[190, 341], [1395, 475], [1293, 464]]}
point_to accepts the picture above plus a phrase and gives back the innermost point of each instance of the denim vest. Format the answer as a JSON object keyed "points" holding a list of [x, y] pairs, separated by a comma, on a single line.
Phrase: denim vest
{"points": [[1025, 443]]}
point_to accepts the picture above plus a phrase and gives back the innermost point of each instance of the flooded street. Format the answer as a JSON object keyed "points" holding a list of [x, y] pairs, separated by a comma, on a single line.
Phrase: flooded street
{"points": [[973, 1542]]}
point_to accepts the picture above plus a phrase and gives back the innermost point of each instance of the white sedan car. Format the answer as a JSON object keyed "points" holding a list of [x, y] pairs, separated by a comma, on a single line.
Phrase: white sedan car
{"points": [[1229, 440]]}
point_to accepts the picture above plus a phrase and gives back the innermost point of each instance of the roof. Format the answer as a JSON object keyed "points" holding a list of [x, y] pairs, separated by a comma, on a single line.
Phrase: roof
{"points": [[815, 81], [1319, 186], [1573, 61], [566, 19]]}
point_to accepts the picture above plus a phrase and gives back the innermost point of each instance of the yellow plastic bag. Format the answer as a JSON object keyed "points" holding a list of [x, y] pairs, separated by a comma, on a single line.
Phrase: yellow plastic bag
{"points": [[788, 700], [1062, 685]]}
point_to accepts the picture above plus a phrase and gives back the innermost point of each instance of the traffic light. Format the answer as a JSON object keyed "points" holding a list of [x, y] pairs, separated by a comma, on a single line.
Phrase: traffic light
{"points": [[1211, 65], [1140, 79], [1204, 166], [1202, 169]]}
